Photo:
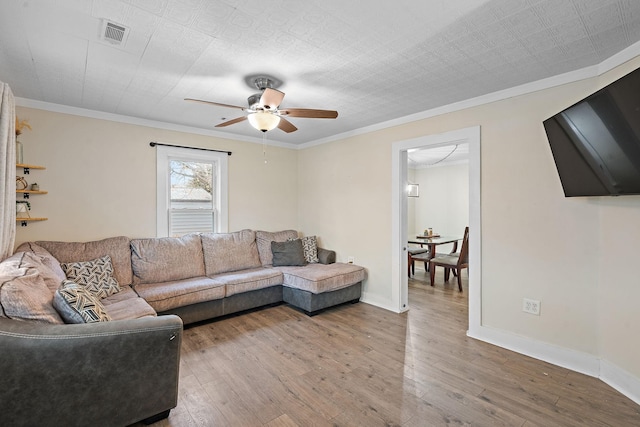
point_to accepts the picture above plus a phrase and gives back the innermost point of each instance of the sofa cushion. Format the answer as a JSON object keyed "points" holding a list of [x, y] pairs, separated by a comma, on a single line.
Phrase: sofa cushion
{"points": [[45, 263], [116, 247], [249, 280], [224, 252], [47, 259], [166, 259], [95, 275], [126, 304], [24, 295], [77, 304], [319, 278], [288, 253], [264, 239], [178, 293]]}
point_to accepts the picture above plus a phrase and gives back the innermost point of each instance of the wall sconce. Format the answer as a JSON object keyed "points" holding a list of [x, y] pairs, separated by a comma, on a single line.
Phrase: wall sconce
{"points": [[413, 190]]}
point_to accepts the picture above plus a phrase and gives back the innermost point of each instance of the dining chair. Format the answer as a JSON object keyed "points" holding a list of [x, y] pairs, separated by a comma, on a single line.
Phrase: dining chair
{"points": [[452, 262], [412, 260]]}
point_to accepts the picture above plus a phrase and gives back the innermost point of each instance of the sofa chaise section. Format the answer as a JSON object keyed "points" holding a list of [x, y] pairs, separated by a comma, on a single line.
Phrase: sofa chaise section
{"points": [[315, 287]]}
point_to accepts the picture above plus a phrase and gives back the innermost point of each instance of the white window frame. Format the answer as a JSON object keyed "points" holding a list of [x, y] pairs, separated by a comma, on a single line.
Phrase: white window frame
{"points": [[164, 155]]}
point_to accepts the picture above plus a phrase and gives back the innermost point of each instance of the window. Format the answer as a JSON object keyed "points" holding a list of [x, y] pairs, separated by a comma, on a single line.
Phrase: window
{"points": [[192, 191]]}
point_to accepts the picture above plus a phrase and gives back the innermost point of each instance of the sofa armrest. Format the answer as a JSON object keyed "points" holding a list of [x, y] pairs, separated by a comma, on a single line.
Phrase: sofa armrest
{"points": [[326, 256], [109, 373]]}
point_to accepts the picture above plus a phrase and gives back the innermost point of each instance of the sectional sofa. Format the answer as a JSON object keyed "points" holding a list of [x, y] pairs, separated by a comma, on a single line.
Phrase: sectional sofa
{"points": [[119, 364]]}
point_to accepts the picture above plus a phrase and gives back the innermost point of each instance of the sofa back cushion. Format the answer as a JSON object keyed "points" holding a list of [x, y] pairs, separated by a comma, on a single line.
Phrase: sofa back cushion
{"points": [[24, 295], [116, 247], [225, 252], [164, 259], [46, 258], [264, 239]]}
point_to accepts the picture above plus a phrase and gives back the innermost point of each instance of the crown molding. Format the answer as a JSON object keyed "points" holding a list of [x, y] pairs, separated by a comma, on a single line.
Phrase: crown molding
{"points": [[94, 114]]}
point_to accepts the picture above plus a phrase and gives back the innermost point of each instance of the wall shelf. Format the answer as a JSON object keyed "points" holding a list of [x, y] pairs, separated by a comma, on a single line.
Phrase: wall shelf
{"points": [[23, 221], [26, 167], [26, 193]]}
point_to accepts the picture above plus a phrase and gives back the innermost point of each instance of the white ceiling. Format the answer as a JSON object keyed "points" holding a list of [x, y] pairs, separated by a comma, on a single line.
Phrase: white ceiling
{"points": [[371, 61], [438, 156]]}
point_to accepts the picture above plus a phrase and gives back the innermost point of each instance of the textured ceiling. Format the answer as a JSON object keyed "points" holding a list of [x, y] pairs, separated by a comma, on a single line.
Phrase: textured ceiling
{"points": [[438, 156], [371, 61]]}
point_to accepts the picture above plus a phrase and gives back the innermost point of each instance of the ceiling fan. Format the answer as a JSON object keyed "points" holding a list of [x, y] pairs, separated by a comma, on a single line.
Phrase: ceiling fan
{"points": [[264, 112]]}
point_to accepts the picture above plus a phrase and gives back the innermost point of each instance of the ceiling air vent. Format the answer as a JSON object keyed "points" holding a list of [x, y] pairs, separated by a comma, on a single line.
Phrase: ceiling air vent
{"points": [[114, 33]]}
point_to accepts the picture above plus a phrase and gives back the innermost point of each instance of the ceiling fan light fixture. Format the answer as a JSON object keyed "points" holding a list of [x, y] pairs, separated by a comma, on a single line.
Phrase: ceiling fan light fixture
{"points": [[264, 121]]}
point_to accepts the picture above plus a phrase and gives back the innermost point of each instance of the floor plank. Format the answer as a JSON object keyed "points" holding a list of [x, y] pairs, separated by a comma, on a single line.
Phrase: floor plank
{"points": [[359, 365]]}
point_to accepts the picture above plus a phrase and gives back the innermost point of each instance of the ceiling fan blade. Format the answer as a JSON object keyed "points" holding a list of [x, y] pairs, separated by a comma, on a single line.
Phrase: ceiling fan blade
{"points": [[271, 98], [309, 113], [286, 125], [214, 103], [232, 122]]}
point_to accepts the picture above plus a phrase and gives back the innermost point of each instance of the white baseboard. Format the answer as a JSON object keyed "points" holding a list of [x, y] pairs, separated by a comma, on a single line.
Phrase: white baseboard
{"points": [[621, 380], [578, 361], [372, 299]]}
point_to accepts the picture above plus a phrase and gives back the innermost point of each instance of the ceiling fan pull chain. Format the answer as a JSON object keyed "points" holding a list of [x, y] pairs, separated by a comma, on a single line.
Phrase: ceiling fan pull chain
{"points": [[264, 147]]}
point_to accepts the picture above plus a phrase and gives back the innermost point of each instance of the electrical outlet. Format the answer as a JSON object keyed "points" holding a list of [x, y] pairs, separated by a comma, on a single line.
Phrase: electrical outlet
{"points": [[531, 306], [351, 260]]}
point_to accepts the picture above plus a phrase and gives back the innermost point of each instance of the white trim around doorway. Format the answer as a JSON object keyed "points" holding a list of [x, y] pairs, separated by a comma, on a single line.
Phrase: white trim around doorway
{"points": [[470, 135]]}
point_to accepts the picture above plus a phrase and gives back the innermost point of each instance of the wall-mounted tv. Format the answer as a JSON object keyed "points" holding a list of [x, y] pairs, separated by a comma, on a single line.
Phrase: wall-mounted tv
{"points": [[596, 142]]}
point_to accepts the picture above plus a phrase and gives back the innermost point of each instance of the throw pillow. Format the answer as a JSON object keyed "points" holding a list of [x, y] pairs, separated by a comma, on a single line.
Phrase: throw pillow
{"points": [[264, 239], [288, 253], [96, 275], [76, 304], [310, 248]]}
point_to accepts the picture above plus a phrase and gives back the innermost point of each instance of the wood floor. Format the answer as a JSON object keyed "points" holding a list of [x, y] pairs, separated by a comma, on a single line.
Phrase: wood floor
{"points": [[359, 365]]}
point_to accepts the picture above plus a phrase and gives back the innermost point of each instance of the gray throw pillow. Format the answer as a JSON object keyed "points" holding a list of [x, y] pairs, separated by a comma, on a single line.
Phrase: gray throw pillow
{"points": [[289, 253]]}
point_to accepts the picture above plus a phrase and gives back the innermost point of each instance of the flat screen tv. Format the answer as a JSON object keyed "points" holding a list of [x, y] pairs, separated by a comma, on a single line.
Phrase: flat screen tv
{"points": [[596, 142]]}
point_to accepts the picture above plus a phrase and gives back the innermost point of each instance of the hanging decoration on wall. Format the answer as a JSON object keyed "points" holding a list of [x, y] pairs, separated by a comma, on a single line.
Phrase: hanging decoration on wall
{"points": [[20, 126]]}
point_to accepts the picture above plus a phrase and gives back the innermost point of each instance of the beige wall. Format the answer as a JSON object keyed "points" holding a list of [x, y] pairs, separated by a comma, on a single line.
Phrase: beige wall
{"points": [[444, 201], [101, 178], [573, 254]]}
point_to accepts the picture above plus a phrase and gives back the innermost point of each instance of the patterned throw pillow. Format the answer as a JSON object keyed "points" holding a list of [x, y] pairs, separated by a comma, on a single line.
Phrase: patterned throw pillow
{"points": [[96, 275], [76, 304], [310, 249]]}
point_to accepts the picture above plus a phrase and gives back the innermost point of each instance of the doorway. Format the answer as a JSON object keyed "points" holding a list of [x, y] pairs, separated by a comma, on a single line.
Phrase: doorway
{"points": [[470, 136]]}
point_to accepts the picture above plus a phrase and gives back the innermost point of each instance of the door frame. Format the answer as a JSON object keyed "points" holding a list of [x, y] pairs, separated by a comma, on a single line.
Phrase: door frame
{"points": [[399, 282]]}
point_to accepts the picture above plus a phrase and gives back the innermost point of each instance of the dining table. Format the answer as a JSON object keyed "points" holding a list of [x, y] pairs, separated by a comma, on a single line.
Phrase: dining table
{"points": [[434, 241]]}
